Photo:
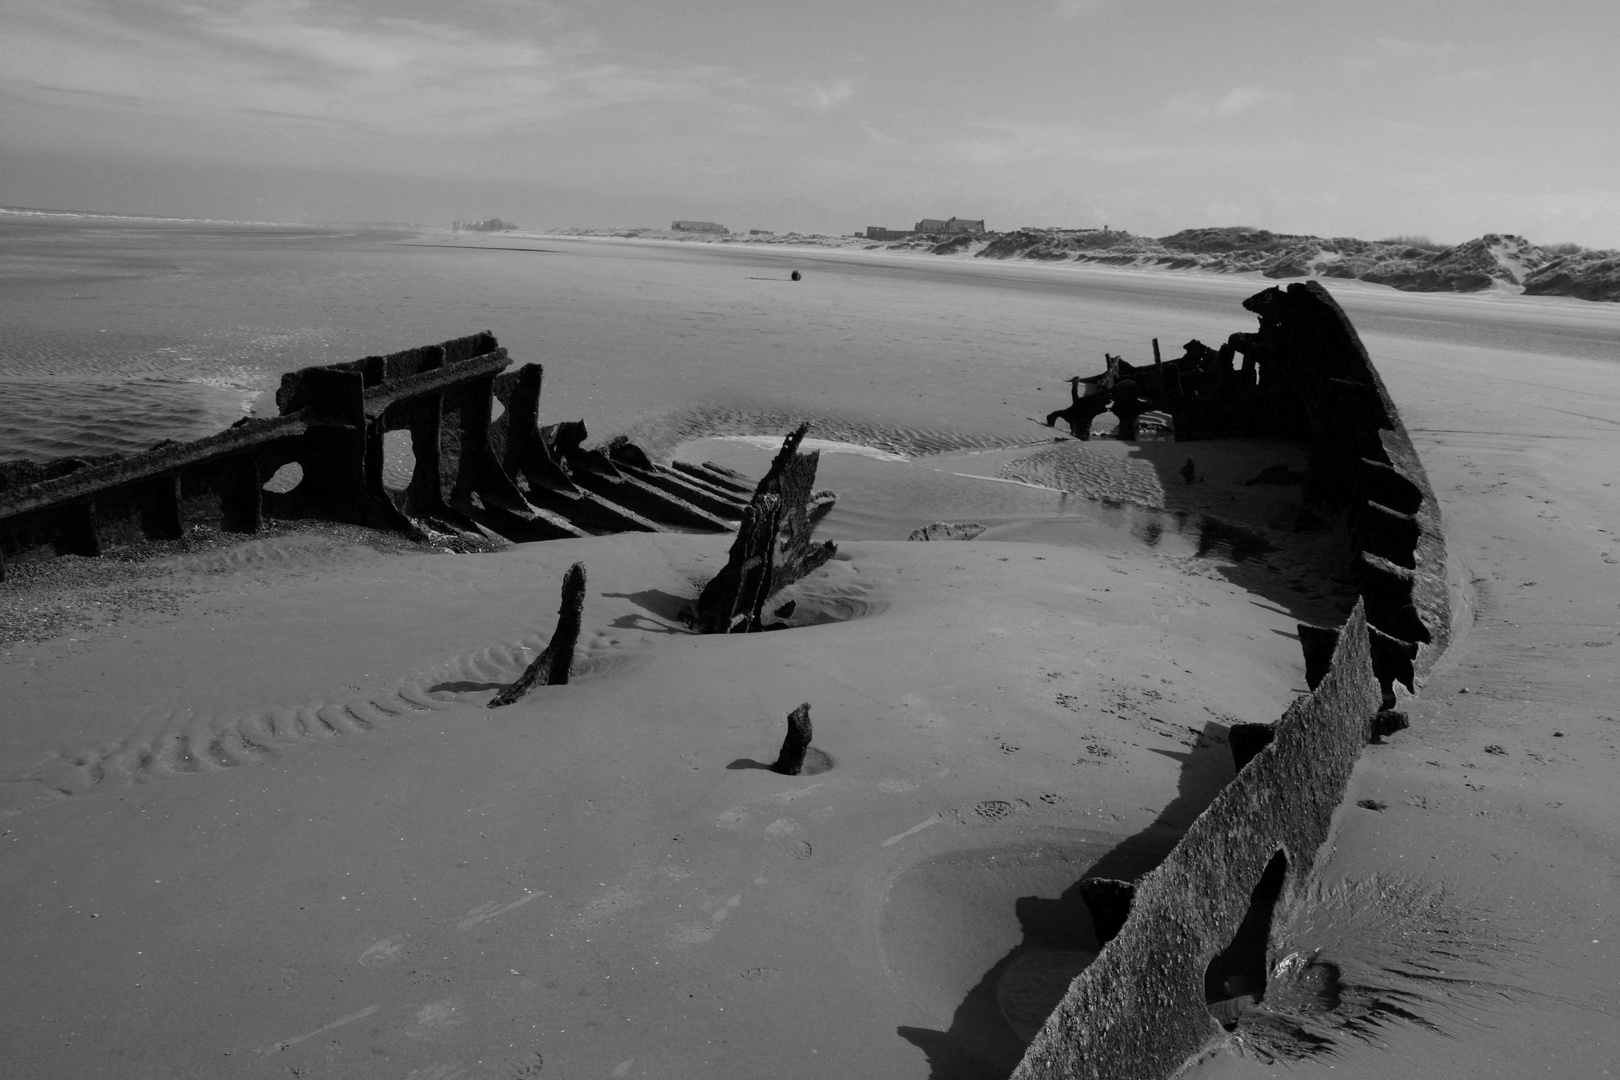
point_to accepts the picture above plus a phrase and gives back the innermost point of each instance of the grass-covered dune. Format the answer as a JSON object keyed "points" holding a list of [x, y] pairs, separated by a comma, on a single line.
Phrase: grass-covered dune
{"points": [[1408, 263], [1412, 264]]}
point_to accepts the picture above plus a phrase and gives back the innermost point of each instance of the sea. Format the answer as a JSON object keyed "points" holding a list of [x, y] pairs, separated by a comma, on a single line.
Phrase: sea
{"points": [[117, 332]]}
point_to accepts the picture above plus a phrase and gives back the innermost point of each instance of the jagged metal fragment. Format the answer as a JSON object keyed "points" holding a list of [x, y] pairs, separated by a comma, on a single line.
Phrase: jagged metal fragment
{"points": [[552, 666]]}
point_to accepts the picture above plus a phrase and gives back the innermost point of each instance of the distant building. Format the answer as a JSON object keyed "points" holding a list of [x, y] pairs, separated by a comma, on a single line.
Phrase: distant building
{"points": [[929, 227], [698, 226], [951, 226], [493, 224]]}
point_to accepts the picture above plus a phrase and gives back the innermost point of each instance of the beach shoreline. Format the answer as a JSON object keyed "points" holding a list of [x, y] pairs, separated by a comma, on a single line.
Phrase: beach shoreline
{"points": [[600, 881]]}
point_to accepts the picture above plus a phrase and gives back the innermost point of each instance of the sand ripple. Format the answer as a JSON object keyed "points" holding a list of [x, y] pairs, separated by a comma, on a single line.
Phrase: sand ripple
{"points": [[168, 742], [660, 435], [1091, 471]]}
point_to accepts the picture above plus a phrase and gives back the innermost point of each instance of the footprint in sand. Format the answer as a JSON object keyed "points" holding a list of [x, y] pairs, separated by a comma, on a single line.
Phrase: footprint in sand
{"points": [[691, 934], [988, 812], [732, 819], [617, 898], [430, 1018], [799, 849], [784, 831], [639, 888], [696, 933], [386, 951], [893, 786], [524, 1066]]}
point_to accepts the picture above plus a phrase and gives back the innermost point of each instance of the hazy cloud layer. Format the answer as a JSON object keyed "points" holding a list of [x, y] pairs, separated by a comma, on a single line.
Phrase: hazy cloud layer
{"points": [[1200, 105], [1372, 118]]}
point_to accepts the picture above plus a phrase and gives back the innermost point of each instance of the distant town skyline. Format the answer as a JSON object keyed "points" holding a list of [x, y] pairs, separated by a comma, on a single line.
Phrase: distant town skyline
{"points": [[1366, 118]]}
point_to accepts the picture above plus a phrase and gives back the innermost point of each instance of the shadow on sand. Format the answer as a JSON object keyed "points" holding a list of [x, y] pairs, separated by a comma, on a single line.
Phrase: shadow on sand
{"points": [[665, 611], [1307, 577], [993, 1024]]}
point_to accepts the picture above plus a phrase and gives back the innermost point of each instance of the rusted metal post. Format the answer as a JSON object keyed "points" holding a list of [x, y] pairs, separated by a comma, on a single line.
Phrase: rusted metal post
{"points": [[550, 668], [791, 760], [732, 601]]}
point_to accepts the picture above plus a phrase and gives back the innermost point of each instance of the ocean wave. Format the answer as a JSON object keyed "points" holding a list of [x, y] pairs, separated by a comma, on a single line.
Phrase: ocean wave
{"points": [[43, 418]]}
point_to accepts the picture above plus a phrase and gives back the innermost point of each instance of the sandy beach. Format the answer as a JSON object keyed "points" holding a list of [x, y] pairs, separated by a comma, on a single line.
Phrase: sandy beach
{"points": [[255, 819]]}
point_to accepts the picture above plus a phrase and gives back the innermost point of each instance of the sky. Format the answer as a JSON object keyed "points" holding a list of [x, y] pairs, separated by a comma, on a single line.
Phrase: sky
{"points": [[1331, 117]]}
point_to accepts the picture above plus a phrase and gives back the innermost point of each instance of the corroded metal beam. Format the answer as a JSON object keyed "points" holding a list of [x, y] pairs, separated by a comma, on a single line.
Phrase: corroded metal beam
{"points": [[473, 474]]}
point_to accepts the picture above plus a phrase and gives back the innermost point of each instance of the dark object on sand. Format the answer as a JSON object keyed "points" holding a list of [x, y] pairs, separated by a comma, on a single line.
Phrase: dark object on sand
{"points": [[791, 760], [550, 668], [1189, 472], [1142, 1010], [733, 599], [476, 482], [1387, 722], [1086, 407], [773, 547], [947, 530], [795, 275]]}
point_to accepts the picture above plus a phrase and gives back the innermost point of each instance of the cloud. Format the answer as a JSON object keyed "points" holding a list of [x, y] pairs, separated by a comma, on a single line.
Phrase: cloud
{"points": [[214, 59], [1200, 106], [828, 98], [102, 94], [283, 115]]}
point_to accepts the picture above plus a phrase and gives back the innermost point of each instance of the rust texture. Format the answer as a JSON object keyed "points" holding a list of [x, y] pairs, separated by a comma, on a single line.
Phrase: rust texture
{"points": [[790, 761], [473, 476], [552, 666], [1140, 1010], [773, 548]]}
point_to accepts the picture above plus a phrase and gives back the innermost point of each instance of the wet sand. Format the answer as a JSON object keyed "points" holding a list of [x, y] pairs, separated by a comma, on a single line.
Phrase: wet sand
{"points": [[270, 829]]}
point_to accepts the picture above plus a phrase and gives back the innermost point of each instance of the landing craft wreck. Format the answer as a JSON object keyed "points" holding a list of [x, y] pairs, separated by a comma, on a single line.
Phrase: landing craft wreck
{"points": [[474, 478], [1210, 914], [1207, 912], [1276, 382]]}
